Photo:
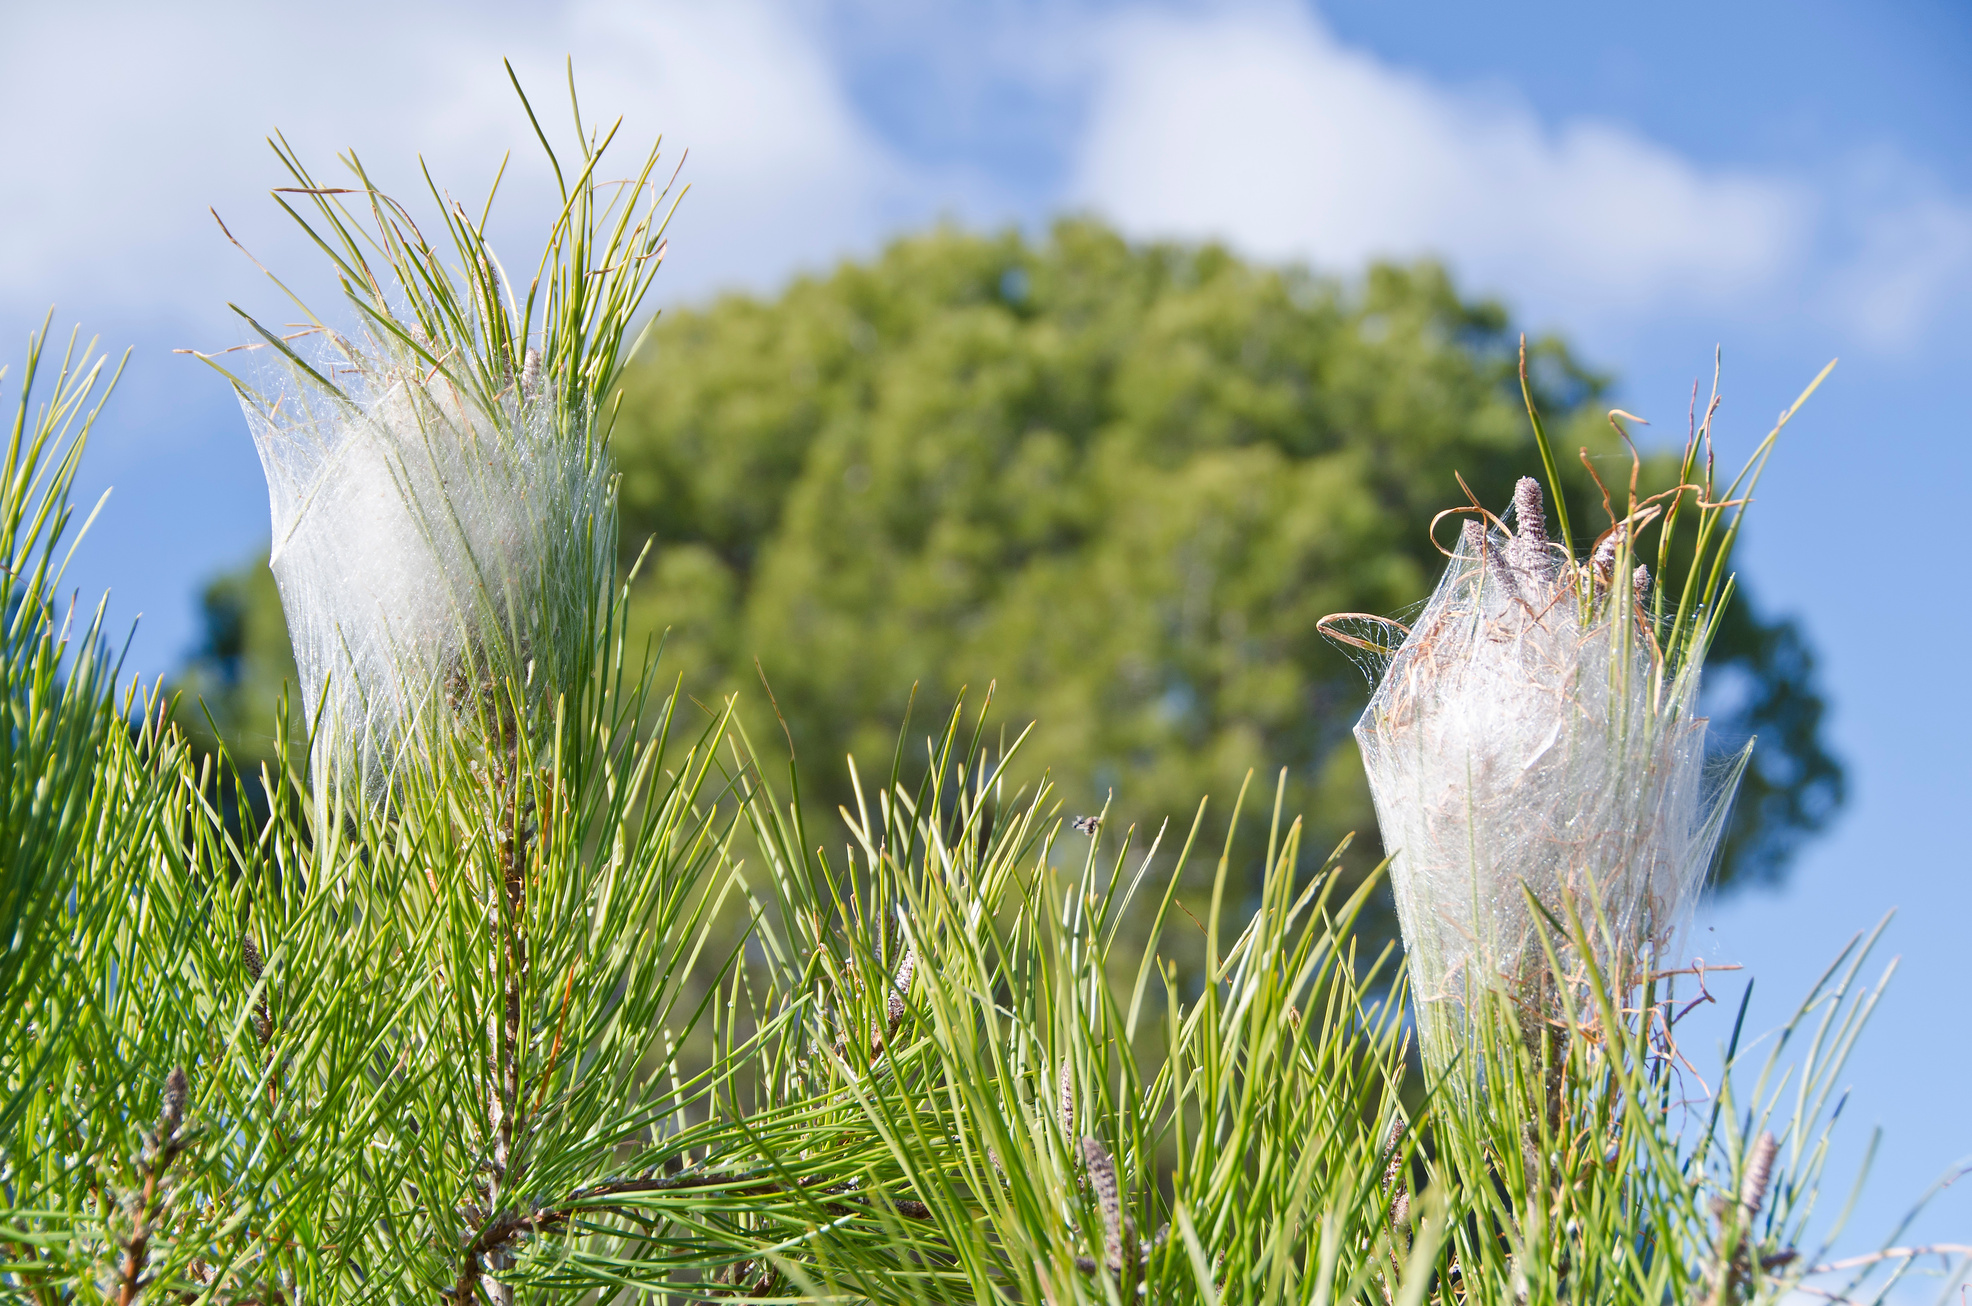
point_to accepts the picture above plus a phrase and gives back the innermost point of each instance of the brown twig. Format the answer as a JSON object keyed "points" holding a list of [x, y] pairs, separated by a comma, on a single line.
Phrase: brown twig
{"points": [[568, 989], [1892, 1254], [498, 1235], [163, 1150]]}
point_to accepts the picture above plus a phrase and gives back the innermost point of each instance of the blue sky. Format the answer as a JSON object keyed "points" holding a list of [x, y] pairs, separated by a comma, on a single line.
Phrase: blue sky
{"points": [[1788, 181]]}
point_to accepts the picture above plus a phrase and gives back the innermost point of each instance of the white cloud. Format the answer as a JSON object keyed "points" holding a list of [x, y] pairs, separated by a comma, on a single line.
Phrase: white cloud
{"points": [[1256, 125], [125, 123], [1906, 252], [782, 169], [1251, 123]]}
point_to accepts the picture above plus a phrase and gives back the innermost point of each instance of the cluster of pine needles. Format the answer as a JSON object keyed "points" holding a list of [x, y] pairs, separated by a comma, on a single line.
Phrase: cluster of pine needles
{"points": [[579, 1010]]}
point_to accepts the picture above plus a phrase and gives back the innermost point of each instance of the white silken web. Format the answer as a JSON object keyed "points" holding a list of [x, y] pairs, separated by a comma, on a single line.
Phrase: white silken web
{"points": [[1527, 742], [428, 544]]}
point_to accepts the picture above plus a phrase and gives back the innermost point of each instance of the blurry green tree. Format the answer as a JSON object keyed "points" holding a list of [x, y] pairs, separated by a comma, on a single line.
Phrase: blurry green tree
{"points": [[1121, 481], [231, 688]]}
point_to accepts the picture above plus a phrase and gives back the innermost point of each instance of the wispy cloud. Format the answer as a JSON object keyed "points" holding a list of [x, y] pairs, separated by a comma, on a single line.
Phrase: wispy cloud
{"points": [[784, 171], [1903, 250], [140, 120], [1254, 124]]}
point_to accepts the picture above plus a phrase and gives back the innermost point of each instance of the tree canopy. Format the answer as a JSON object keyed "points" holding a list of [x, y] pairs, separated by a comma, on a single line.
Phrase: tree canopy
{"points": [[1121, 484]]}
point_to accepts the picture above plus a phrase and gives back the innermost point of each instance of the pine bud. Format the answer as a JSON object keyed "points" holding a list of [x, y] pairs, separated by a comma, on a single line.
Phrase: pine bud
{"points": [[1393, 1173], [1109, 1195], [263, 1020], [1067, 1098], [901, 985], [1394, 1176], [1759, 1173], [1529, 550], [176, 1090], [1605, 553]]}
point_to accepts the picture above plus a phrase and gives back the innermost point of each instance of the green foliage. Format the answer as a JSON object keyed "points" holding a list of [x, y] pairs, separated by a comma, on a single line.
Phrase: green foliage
{"points": [[1580, 1167], [581, 1007], [1246, 1140], [1124, 483], [61, 739], [937, 1072], [233, 685], [479, 1043], [1057, 1120]]}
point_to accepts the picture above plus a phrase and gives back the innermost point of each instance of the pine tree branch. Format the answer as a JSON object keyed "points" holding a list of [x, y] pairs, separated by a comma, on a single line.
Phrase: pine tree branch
{"points": [[164, 1149]]}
